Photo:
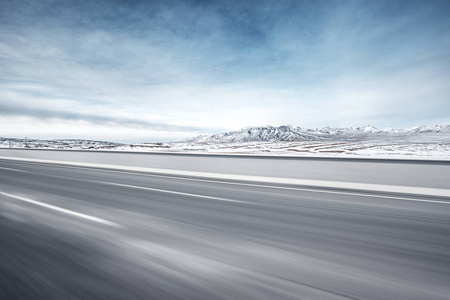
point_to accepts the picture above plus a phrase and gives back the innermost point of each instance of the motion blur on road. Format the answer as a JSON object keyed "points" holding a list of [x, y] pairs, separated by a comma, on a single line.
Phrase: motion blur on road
{"points": [[68, 231]]}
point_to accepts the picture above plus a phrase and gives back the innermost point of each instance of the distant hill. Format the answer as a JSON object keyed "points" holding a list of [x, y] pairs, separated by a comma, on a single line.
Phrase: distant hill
{"points": [[56, 144]]}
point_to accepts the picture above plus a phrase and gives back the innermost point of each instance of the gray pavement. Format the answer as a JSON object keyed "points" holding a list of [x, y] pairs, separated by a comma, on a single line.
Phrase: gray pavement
{"points": [[187, 238]]}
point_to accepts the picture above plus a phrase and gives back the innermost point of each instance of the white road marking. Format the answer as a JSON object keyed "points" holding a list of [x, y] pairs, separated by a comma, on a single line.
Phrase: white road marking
{"points": [[361, 187], [364, 195], [171, 192], [274, 187], [63, 210], [11, 169]]}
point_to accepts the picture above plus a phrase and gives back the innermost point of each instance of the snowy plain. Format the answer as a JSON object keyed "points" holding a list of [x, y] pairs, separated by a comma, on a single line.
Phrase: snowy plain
{"points": [[417, 142]]}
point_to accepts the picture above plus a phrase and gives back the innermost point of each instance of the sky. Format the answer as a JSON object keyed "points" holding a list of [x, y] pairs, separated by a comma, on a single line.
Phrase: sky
{"points": [[148, 71]]}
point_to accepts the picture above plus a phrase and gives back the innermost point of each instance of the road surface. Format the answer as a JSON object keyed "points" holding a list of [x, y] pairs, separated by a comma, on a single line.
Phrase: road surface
{"points": [[70, 232], [401, 172]]}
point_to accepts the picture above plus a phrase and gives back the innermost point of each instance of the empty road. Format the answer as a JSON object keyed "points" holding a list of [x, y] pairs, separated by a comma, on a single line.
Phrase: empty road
{"points": [[71, 232]]}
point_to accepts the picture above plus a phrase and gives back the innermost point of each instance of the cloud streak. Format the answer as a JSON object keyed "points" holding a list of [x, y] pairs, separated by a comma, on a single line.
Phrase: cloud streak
{"points": [[43, 114]]}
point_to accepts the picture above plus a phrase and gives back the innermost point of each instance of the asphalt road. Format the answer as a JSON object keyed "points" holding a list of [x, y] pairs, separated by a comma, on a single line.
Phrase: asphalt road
{"points": [[419, 173], [85, 233]]}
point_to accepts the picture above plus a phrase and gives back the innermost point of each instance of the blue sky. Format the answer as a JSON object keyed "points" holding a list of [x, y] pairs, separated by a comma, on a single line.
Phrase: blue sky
{"points": [[137, 71]]}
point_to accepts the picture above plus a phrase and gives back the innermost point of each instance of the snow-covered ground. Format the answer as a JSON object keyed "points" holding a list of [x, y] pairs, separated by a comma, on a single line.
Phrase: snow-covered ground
{"points": [[367, 149], [57, 144], [420, 142], [327, 148]]}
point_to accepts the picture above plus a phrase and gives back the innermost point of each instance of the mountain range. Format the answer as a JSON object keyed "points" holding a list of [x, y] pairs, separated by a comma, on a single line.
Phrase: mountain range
{"points": [[289, 133]]}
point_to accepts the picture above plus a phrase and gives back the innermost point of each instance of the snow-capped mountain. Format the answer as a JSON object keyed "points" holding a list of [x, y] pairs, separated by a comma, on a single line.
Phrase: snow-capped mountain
{"points": [[289, 133]]}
